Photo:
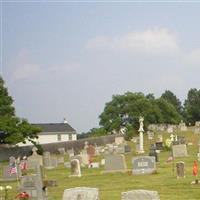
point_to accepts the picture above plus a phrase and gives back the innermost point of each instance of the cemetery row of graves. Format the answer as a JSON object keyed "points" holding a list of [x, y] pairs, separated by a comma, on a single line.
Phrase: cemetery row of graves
{"points": [[167, 169]]}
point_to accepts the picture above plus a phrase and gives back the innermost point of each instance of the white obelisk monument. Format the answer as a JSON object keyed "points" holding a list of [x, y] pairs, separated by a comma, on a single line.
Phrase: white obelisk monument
{"points": [[141, 131]]}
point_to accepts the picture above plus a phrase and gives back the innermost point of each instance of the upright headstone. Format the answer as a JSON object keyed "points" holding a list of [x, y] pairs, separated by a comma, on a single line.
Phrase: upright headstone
{"points": [[34, 159], [81, 193], [119, 140], [91, 152], [75, 168], [47, 160], [62, 151], [143, 165], [140, 195], [180, 169], [7, 175], [179, 150], [153, 152], [115, 163]]}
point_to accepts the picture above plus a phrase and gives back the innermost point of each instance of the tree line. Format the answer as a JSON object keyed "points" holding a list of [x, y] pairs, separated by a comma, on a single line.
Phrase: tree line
{"points": [[124, 111]]}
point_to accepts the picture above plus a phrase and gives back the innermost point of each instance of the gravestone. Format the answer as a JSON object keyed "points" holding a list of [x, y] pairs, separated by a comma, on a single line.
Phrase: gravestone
{"points": [[62, 151], [70, 153], [60, 159], [159, 145], [179, 150], [150, 135], [91, 152], [115, 163], [34, 159], [170, 129], [33, 185], [140, 195], [75, 168], [93, 165], [67, 165], [153, 152], [143, 165], [103, 161], [182, 126], [119, 140], [81, 193], [47, 160], [180, 169], [7, 176]]}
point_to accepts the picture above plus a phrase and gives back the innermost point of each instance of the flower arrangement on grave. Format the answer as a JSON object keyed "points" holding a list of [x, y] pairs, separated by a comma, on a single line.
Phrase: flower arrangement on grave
{"points": [[23, 196]]}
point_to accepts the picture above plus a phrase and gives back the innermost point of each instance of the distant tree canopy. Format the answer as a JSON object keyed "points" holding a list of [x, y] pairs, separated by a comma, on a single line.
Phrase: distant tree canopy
{"points": [[125, 110], [192, 106], [13, 129]]}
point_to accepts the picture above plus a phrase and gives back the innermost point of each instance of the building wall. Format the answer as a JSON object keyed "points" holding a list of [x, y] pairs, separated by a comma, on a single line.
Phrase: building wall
{"points": [[46, 139]]}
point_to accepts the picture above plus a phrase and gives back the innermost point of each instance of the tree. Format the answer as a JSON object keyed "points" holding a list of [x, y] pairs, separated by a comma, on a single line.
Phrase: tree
{"points": [[171, 98], [168, 113], [192, 106], [13, 129], [124, 110]]}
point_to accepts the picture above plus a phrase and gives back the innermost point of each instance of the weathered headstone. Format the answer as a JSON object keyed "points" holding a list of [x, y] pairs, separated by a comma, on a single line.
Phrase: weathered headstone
{"points": [[115, 163], [75, 168], [33, 185], [60, 159], [180, 169], [179, 150], [47, 160], [140, 195], [143, 165], [7, 175], [93, 165], [81, 193], [159, 145], [67, 165], [153, 152], [62, 151], [150, 135], [119, 140], [34, 159], [70, 152]]}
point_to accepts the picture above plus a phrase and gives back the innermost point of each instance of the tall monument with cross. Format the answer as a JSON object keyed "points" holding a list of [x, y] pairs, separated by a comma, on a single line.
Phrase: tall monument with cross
{"points": [[141, 131]]}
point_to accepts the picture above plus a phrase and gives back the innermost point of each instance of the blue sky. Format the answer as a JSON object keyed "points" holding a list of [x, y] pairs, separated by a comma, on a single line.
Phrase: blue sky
{"points": [[68, 59]]}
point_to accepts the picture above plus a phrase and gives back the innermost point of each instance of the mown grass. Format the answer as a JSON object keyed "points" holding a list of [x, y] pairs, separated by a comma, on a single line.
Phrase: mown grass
{"points": [[111, 185]]}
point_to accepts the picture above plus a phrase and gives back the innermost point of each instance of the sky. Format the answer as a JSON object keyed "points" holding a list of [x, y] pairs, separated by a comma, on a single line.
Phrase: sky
{"points": [[66, 59]]}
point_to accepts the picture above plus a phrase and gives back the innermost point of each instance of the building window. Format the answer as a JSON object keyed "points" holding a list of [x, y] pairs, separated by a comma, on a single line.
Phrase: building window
{"points": [[59, 137], [70, 137]]}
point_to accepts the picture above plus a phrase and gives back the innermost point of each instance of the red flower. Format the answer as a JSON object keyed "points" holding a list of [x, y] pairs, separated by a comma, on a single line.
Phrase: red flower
{"points": [[23, 196]]}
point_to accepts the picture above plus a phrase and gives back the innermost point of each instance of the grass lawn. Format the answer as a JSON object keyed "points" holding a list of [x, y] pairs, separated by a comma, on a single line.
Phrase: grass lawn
{"points": [[111, 185]]}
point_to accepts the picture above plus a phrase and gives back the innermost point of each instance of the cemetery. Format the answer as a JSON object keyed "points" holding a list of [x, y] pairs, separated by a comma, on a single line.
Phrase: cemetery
{"points": [[109, 172]]}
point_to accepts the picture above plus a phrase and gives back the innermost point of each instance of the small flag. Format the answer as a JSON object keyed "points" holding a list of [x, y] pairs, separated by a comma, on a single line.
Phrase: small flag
{"points": [[13, 170], [195, 169], [23, 165]]}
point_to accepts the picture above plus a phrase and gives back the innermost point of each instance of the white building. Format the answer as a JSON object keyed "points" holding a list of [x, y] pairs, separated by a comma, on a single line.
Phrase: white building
{"points": [[54, 132]]}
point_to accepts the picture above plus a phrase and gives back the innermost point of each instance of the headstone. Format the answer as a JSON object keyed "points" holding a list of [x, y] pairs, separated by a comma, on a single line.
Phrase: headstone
{"points": [[93, 165], [33, 185], [103, 161], [153, 152], [143, 165], [7, 175], [62, 151], [159, 145], [197, 123], [47, 160], [160, 138], [179, 150], [197, 130], [150, 135], [170, 129], [115, 163], [84, 159], [75, 168], [140, 195], [127, 149], [180, 169], [34, 159], [54, 162], [91, 151], [182, 126], [70, 153], [60, 159], [81, 193], [67, 165], [119, 140]]}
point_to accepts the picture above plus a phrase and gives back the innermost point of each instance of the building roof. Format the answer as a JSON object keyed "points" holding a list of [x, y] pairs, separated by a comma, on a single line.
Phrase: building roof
{"points": [[55, 128]]}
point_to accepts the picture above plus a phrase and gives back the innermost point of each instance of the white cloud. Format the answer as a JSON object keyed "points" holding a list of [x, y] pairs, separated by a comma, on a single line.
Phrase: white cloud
{"points": [[26, 71], [151, 42], [193, 58]]}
